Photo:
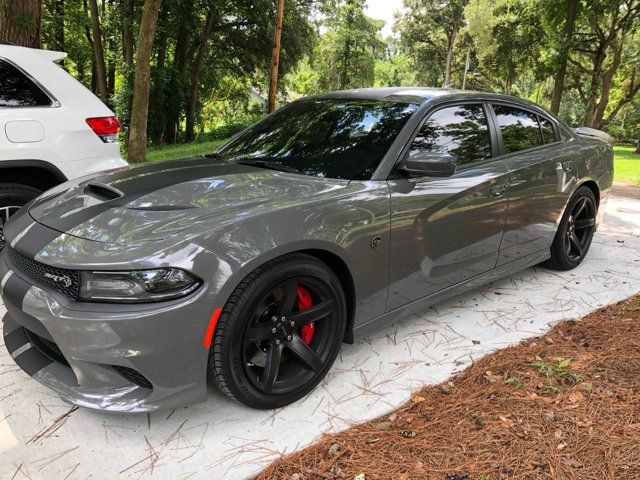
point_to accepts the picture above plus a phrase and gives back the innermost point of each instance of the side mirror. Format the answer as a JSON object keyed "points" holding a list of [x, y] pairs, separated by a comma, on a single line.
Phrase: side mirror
{"points": [[431, 164]]}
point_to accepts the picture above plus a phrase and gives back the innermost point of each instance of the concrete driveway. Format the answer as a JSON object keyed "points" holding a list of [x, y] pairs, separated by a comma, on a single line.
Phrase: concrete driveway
{"points": [[43, 438]]}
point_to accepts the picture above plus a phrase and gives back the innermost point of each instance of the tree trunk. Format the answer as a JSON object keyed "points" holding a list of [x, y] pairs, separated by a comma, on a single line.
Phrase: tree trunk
{"points": [[174, 106], [127, 32], [638, 146], [558, 78], [607, 79], [21, 22], [58, 8], [137, 147], [346, 55], [451, 40], [511, 72], [275, 58], [195, 80], [162, 52], [592, 94], [98, 51]]}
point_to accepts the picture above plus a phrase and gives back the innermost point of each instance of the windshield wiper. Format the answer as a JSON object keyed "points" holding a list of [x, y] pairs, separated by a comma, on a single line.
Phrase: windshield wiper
{"points": [[215, 155], [271, 165]]}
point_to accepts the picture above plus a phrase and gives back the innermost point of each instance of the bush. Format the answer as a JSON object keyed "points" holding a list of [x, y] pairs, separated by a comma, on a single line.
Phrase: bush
{"points": [[233, 126]]}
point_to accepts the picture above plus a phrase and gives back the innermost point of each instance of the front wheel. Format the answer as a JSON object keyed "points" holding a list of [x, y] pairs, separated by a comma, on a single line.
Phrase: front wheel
{"points": [[575, 232], [279, 332]]}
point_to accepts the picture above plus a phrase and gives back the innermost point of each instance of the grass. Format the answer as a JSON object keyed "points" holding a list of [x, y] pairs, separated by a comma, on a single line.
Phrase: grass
{"points": [[627, 162], [182, 151], [626, 165]]}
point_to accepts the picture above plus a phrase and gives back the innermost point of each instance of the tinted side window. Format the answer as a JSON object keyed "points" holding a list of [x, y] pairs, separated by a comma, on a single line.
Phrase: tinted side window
{"points": [[564, 134], [16, 90], [461, 131], [547, 130], [520, 129]]}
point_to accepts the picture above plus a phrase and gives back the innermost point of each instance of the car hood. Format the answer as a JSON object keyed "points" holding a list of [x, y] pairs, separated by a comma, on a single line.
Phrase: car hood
{"points": [[154, 201]]}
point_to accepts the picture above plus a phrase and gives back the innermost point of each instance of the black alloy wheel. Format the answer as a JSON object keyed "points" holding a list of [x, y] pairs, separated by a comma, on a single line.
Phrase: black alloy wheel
{"points": [[575, 232], [277, 359], [580, 228], [279, 332]]}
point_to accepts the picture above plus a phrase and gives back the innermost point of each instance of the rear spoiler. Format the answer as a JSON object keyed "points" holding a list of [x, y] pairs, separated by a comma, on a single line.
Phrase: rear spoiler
{"points": [[592, 132], [53, 55]]}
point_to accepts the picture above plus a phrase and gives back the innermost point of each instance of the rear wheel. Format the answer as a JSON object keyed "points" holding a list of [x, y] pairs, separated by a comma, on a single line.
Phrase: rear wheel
{"points": [[575, 232], [279, 333], [12, 197]]}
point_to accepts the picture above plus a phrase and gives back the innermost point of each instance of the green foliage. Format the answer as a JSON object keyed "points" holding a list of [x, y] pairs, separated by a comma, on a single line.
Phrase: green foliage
{"points": [[346, 53], [395, 68], [626, 165], [507, 37], [182, 151], [426, 28], [558, 374], [511, 46], [515, 381]]}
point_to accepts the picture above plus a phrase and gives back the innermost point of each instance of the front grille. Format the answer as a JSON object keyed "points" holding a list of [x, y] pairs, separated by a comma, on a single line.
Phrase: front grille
{"points": [[133, 376], [46, 347], [67, 281]]}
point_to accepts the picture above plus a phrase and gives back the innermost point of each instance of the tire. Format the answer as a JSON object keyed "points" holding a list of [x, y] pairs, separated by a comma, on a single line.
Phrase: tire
{"points": [[575, 232], [13, 195], [254, 329]]}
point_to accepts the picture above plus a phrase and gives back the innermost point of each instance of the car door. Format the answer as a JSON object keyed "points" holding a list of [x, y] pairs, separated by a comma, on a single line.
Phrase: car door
{"points": [[541, 176], [447, 230]]}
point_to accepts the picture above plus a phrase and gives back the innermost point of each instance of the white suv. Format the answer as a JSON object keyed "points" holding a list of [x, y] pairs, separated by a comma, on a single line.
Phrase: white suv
{"points": [[52, 128]]}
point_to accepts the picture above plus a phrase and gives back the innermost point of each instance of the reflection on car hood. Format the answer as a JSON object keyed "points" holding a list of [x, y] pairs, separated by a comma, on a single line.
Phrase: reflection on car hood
{"points": [[153, 201]]}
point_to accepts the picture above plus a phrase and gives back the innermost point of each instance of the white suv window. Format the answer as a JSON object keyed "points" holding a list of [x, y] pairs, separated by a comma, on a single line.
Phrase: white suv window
{"points": [[18, 90]]}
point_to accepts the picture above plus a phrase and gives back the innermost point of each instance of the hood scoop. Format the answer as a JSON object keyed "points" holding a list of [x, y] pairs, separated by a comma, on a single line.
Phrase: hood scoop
{"points": [[102, 191]]}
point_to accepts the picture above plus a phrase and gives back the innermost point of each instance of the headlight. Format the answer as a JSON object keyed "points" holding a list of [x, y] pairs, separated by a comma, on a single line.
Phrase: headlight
{"points": [[137, 286]]}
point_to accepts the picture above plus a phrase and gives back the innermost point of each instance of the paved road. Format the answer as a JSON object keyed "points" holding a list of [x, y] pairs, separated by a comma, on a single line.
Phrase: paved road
{"points": [[42, 438]]}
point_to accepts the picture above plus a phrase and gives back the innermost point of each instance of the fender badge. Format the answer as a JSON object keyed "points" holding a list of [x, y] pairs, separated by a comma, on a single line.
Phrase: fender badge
{"points": [[375, 242]]}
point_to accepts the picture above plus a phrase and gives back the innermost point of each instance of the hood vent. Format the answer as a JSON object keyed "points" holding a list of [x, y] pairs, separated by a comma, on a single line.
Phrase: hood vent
{"points": [[102, 191]]}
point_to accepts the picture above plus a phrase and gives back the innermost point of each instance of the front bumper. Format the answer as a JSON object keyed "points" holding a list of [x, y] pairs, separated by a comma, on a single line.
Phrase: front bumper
{"points": [[118, 358]]}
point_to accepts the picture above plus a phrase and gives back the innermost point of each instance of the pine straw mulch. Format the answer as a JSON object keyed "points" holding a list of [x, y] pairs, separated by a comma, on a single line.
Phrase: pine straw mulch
{"points": [[563, 406]]}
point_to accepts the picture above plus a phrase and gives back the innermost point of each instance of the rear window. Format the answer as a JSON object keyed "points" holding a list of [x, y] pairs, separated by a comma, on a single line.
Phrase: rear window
{"points": [[17, 90], [520, 129]]}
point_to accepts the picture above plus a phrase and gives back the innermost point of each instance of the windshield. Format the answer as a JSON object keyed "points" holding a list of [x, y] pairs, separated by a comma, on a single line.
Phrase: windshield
{"points": [[324, 137]]}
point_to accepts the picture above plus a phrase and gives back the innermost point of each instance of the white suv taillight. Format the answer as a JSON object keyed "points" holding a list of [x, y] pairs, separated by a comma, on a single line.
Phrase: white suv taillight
{"points": [[107, 128]]}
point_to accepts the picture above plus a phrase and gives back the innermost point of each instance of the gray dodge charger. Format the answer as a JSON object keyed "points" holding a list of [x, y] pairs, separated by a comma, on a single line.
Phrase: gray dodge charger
{"points": [[248, 268]]}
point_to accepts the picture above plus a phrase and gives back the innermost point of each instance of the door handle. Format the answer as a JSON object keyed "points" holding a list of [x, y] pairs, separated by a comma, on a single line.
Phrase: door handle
{"points": [[498, 190]]}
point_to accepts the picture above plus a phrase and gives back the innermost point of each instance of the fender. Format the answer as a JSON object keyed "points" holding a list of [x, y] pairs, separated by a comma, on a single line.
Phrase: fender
{"points": [[55, 175]]}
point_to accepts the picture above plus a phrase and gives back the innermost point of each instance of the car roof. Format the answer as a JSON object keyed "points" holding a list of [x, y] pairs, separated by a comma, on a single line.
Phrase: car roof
{"points": [[420, 95], [9, 48]]}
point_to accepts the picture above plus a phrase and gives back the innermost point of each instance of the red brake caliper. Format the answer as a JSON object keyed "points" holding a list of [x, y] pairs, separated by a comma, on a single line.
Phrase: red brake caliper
{"points": [[304, 301]]}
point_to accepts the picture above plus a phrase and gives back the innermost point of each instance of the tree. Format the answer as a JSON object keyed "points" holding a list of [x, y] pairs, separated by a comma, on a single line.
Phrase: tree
{"points": [[275, 59], [608, 26], [127, 32], [21, 21], [195, 78], [507, 38], [98, 51], [428, 33], [563, 56], [347, 51], [140, 106], [54, 17]]}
